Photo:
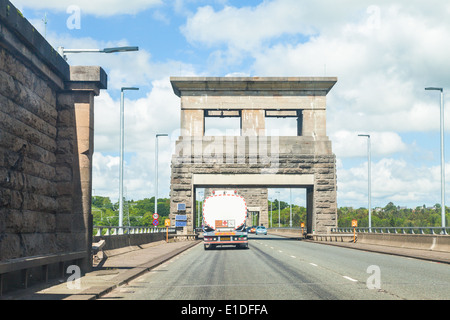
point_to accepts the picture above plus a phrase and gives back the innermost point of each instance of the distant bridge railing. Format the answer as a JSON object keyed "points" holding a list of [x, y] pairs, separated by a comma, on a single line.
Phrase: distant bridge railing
{"points": [[401, 230], [112, 231]]}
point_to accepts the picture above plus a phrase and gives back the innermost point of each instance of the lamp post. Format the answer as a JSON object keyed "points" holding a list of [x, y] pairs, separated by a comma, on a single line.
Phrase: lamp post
{"points": [[62, 51], [121, 154], [200, 206], [290, 207], [369, 178], [442, 159], [271, 222], [156, 168], [278, 208]]}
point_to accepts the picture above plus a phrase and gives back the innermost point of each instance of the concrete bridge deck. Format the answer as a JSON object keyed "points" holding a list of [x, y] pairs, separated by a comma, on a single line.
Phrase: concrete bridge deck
{"points": [[121, 268], [430, 255]]}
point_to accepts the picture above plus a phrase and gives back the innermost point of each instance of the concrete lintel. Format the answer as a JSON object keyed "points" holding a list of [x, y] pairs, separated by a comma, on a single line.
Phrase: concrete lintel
{"points": [[253, 180], [281, 113], [89, 74], [189, 85], [87, 78]]}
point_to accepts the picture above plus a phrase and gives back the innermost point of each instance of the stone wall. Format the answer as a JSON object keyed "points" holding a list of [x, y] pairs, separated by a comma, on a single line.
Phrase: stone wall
{"points": [[46, 144]]}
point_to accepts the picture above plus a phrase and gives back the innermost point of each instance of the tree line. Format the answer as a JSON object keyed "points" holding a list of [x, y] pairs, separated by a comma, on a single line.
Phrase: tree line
{"points": [[135, 213], [140, 213], [394, 216]]}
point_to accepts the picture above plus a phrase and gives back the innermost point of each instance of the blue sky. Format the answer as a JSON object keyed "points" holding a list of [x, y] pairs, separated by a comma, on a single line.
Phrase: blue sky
{"points": [[383, 55]]}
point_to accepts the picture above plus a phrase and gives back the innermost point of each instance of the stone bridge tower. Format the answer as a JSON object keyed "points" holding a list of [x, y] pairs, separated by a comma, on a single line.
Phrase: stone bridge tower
{"points": [[255, 159]]}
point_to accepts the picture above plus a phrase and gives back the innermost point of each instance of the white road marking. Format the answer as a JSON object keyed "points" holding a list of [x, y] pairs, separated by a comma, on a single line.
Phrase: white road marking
{"points": [[292, 256], [351, 279], [313, 264]]}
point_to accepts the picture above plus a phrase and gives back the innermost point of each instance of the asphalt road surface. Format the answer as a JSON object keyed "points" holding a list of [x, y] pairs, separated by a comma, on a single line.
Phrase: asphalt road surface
{"points": [[277, 268]]}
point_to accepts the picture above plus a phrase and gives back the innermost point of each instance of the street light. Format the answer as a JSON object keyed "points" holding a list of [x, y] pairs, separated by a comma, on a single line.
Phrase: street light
{"points": [[271, 222], [278, 208], [62, 51], [369, 178], [290, 208], [121, 155], [156, 168], [442, 158]]}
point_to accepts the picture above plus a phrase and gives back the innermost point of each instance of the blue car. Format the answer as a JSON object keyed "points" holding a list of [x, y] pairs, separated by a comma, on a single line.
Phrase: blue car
{"points": [[261, 230]]}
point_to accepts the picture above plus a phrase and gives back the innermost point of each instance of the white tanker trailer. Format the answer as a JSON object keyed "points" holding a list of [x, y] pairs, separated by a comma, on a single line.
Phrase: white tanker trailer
{"points": [[224, 217]]}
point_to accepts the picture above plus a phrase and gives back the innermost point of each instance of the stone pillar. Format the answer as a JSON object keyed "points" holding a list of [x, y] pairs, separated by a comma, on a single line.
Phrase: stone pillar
{"points": [[314, 123], [85, 83], [310, 210], [253, 123], [192, 122]]}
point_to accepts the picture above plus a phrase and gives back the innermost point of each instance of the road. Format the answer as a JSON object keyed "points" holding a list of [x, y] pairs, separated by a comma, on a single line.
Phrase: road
{"points": [[277, 268]]}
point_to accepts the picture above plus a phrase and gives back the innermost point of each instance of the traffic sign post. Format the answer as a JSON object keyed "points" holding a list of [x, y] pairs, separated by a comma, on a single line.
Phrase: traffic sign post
{"points": [[167, 224], [354, 225], [302, 225]]}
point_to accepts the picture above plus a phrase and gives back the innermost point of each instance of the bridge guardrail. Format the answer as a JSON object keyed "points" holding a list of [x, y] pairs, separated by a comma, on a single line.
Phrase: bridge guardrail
{"points": [[396, 230], [115, 230]]}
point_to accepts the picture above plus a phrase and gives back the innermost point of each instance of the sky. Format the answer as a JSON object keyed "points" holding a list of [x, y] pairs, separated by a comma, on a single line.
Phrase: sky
{"points": [[383, 55]]}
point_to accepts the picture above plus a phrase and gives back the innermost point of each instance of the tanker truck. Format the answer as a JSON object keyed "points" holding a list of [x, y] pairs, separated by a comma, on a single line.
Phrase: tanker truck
{"points": [[224, 217]]}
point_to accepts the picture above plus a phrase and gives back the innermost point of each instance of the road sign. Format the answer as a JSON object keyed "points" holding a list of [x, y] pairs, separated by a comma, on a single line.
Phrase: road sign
{"points": [[167, 225], [155, 216], [180, 223], [354, 225], [155, 222]]}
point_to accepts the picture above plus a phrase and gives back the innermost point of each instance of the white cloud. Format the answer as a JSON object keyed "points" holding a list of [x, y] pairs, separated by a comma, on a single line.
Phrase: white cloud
{"points": [[383, 55], [97, 7], [348, 144], [105, 175], [392, 180]]}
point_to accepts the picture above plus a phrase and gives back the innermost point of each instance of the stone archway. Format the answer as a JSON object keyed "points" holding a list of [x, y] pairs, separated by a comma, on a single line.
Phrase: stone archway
{"points": [[255, 158]]}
